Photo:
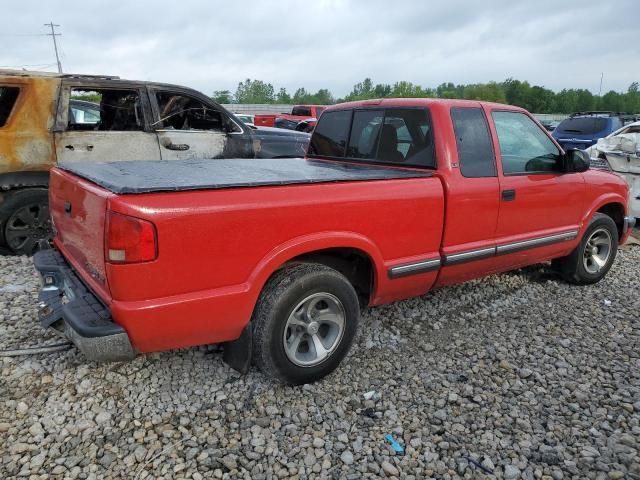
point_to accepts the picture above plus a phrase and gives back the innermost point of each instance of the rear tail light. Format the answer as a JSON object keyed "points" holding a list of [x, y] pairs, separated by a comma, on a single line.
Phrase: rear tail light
{"points": [[130, 239]]}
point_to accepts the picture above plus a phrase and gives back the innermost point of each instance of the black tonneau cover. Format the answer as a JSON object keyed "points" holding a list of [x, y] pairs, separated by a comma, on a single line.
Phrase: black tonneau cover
{"points": [[143, 176]]}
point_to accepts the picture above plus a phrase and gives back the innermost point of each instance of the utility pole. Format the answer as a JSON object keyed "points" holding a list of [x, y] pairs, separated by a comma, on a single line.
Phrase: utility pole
{"points": [[53, 35], [601, 78]]}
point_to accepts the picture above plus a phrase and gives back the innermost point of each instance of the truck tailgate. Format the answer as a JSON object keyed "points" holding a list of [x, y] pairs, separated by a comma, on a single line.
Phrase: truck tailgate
{"points": [[78, 210]]}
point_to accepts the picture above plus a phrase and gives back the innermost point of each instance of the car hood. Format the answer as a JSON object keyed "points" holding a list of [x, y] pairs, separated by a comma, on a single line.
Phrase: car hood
{"points": [[281, 132]]}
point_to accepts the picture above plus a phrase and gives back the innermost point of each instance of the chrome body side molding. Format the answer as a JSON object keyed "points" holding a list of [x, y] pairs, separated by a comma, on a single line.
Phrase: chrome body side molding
{"points": [[414, 268], [536, 242], [469, 256], [431, 264]]}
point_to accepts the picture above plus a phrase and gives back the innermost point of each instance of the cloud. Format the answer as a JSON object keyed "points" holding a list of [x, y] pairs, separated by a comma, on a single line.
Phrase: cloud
{"points": [[334, 44]]}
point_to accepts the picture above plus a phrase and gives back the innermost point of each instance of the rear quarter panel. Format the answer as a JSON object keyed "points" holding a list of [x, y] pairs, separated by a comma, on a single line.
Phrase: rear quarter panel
{"points": [[218, 248]]}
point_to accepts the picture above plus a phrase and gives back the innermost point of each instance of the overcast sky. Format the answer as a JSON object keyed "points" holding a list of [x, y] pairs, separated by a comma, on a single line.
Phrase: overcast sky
{"points": [[212, 45]]}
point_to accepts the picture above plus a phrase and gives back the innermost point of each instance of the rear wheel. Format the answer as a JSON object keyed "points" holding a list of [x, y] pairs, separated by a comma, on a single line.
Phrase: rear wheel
{"points": [[24, 220], [594, 256], [304, 323]]}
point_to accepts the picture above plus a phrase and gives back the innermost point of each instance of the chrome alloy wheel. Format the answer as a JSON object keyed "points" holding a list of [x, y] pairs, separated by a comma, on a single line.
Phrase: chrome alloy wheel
{"points": [[314, 329], [597, 250]]}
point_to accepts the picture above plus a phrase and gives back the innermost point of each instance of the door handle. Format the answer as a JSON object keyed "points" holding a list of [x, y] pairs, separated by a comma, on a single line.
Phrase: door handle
{"points": [[508, 195], [176, 146], [69, 147]]}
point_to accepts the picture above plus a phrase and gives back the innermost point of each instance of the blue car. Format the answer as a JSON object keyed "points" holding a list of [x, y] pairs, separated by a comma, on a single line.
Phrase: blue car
{"points": [[581, 130]]}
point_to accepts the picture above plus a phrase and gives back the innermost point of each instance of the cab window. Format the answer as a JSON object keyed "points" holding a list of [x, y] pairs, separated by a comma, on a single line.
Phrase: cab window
{"points": [[392, 135], [475, 151], [105, 110], [363, 141], [301, 111], [181, 112], [524, 147], [330, 135], [8, 97], [405, 137]]}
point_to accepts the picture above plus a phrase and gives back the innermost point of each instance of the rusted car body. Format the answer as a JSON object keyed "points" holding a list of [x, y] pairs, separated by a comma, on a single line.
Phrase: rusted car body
{"points": [[112, 119]]}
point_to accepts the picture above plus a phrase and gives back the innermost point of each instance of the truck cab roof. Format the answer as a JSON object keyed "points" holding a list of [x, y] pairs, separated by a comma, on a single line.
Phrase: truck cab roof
{"points": [[418, 102]]}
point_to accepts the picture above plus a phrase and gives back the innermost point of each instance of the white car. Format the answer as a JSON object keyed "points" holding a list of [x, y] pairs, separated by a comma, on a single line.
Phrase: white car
{"points": [[620, 152]]}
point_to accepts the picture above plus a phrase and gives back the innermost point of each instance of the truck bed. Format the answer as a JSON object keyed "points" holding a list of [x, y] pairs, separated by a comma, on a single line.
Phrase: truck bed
{"points": [[131, 177]]}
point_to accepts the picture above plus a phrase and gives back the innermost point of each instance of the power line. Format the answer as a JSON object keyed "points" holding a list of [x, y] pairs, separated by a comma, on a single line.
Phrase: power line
{"points": [[55, 44], [23, 34], [29, 65]]}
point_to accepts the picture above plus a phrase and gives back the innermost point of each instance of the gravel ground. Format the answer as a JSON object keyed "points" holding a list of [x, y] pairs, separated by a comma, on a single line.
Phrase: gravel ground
{"points": [[514, 376]]}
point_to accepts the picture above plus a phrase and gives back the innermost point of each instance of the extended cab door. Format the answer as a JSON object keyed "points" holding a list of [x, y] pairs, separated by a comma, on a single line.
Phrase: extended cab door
{"points": [[190, 127], [107, 121], [472, 194], [540, 205]]}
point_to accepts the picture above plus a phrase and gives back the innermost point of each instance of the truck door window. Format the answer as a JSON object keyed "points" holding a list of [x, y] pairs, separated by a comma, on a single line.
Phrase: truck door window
{"points": [[105, 110], [475, 151], [8, 97], [330, 136], [524, 147], [363, 141], [180, 112]]}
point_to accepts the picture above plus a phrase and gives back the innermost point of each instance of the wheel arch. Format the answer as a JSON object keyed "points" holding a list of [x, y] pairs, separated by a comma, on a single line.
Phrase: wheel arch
{"points": [[612, 205], [28, 179], [614, 210], [354, 255]]}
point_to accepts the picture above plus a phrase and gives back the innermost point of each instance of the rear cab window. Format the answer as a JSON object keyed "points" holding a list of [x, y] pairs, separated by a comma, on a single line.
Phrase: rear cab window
{"points": [[400, 136], [330, 136], [301, 111], [8, 98]]}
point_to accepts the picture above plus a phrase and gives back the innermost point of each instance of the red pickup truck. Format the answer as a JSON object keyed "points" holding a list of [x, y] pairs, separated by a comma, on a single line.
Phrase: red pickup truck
{"points": [[299, 113], [275, 257]]}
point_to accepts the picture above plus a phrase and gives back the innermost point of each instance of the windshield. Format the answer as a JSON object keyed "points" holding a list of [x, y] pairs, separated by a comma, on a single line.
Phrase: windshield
{"points": [[582, 125]]}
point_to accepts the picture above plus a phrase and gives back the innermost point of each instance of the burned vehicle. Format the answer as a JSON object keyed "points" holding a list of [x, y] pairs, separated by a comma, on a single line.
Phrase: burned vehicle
{"points": [[46, 118]]}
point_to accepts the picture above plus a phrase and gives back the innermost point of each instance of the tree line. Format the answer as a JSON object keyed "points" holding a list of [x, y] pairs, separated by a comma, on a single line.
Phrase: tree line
{"points": [[515, 92]]}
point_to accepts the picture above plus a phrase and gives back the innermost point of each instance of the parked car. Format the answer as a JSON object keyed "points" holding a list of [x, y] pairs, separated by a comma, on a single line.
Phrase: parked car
{"points": [[549, 125], [299, 113], [83, 112], [42, 122], [246, 119], [275, 258], [620, 153], [581, 130]]}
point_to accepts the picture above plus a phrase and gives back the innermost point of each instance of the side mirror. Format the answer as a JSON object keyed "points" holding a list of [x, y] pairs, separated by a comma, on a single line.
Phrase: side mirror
{"points": [[576, 161]]}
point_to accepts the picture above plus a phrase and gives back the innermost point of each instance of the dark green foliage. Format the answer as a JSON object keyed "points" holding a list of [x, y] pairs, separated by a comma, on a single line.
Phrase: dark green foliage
{"points": [[534, 98], [88, 97], [222, 96]]}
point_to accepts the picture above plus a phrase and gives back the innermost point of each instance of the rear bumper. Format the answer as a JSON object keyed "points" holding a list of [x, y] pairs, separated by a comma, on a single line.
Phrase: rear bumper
{"points": [[68, 306]]}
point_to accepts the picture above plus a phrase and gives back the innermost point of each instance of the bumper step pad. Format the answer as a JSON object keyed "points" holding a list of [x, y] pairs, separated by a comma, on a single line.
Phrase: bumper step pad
{"points": [[67, 305]]}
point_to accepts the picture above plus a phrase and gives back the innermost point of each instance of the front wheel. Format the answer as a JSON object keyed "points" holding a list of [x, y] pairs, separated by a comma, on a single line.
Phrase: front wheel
{"points": [[594, 256], [304, 323]]}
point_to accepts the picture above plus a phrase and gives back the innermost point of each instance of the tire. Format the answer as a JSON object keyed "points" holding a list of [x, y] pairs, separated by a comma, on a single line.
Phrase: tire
{"points": [[285, 338], [594, 256], [24, 220]]}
